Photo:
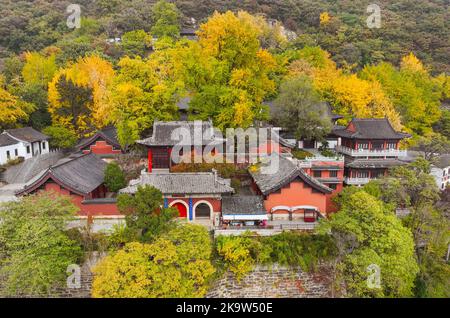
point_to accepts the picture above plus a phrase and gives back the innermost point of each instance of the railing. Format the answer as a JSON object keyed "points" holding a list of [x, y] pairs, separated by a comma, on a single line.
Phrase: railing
{"points": [[336, 158], [356, 181], [371, 152], [283, 226]]}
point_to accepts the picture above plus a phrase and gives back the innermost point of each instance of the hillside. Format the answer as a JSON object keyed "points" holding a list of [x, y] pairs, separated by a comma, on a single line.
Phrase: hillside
{"points": [[417, 26]]}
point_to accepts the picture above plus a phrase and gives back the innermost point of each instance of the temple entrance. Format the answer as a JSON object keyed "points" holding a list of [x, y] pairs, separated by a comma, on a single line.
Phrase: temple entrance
{"points": [[161, 158], [182, 210], [203, 211]]}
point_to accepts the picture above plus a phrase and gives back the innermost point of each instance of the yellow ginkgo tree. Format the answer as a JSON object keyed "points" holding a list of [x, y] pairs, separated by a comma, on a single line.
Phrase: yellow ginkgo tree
{"points": [[78, 97], [12, 109]]}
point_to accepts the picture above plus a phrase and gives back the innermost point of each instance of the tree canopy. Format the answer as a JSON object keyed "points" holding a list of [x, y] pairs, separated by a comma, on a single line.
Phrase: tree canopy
{"points": [[177, 264], [35, 249]]}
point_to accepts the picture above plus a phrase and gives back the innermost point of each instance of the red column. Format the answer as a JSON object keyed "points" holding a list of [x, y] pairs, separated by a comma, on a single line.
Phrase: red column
{"points": [[150, 160], [170, 156]]}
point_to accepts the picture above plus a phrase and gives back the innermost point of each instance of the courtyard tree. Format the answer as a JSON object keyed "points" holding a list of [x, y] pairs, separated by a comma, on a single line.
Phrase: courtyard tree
{"points": [[114, 177], [145, 215], [299, 109]]}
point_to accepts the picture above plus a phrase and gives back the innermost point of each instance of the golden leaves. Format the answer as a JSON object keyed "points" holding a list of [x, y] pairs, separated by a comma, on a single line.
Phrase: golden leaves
{"points": [[90, 72]]}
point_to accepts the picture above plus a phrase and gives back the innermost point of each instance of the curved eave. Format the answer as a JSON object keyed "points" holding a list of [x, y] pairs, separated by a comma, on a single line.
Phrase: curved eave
{"points": [[94, 138], [44, 178], [319, 187]]}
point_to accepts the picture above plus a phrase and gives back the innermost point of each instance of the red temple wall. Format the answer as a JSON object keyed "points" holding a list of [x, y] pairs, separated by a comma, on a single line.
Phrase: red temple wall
{"points": [[101, 147], [294, 194], [85, 209]]}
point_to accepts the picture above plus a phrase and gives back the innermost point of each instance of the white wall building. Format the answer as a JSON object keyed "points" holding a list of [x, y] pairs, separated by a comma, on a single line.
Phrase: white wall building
{"points": [[440, 170], [22, 142]]}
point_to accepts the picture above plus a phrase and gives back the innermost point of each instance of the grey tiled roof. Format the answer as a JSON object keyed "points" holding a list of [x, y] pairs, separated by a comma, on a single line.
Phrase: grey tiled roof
{"points": [[443, 161], [182, 183], [109, 134], [170, 133], [25, 171], [326, 167], [371, 128], [6, 140], [375, 163], [243, 204], [27, 134], [287, 172], [81, 174]]}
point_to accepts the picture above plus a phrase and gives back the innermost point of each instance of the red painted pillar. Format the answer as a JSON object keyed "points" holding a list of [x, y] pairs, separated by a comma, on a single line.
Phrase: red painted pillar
{"points": [[170, 156], [150, 160]]}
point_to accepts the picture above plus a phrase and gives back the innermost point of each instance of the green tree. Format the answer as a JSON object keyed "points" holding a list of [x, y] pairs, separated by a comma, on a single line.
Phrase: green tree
{"points": [[443, 125], [35, 250], [413, 188], [114, 177], [144, 90], [299, 109], [145, 215], [61, 137], [166, 19], [433, 146], [178, 264], [136, 42], [366, 233]]}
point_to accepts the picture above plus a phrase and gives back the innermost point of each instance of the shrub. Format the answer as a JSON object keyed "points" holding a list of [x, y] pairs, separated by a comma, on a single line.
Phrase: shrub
{"points": [[301, 154], [235, 252]]}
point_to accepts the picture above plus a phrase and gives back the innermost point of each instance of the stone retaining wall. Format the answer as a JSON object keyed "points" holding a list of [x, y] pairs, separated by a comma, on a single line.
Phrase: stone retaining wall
{"points": [[277, 282], [262, 282]]}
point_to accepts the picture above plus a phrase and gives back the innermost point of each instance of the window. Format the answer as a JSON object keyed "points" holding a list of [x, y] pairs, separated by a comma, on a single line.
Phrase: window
{"points": [[363, 145], [391, 145], [362, 174], [333, 174], [317, 174], [8, 155], [16, 152], [43, 145], [377, 145], [28, 149]]}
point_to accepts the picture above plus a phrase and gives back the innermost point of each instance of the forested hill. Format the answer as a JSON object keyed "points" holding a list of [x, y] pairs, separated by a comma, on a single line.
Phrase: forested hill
{"points": [[418, 26]]}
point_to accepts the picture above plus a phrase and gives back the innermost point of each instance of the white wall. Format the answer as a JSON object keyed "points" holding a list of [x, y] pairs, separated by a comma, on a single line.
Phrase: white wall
{"points": [[441, 176], [21, 148]]}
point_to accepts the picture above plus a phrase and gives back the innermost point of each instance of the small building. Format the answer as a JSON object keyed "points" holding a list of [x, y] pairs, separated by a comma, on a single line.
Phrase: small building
{"points": [[370, 147], [327, 170], [190, 136], [80, 177], [103, 143], [289, 192], [440, 170], [22, 142], [243, 211], [196, 195]]}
